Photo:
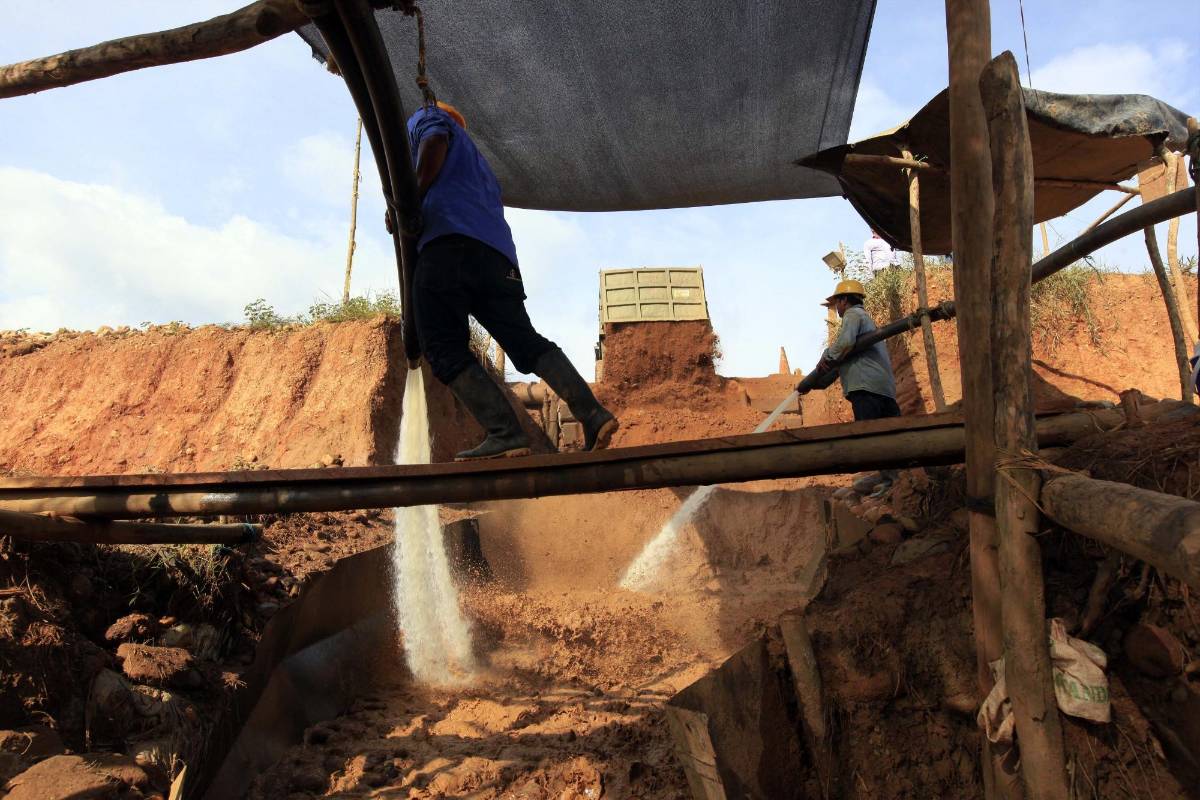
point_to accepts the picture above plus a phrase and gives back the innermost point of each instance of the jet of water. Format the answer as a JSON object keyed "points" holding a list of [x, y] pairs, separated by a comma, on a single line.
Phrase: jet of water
{"points": [[640, 575], [437, 637]]}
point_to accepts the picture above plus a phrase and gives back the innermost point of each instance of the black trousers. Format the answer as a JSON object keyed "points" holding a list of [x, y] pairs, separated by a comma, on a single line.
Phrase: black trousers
{"points": [[868, 405], [457, 277]]}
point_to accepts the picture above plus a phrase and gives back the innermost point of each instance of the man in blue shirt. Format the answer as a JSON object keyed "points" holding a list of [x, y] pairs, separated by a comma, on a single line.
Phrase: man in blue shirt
{"points": [[467, 266]]}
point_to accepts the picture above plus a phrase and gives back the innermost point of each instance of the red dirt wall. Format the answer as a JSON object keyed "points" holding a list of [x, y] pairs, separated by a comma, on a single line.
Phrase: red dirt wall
{"points": [[177, 400]]}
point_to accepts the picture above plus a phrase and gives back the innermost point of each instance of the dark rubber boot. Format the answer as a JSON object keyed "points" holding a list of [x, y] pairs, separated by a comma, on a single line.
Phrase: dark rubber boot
{"points": [[560, 375], [488, 405]]}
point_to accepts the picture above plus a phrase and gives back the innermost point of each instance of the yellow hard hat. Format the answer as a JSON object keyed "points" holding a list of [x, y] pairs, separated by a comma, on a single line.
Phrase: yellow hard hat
{"points": [[454, 113], [847, 287]]}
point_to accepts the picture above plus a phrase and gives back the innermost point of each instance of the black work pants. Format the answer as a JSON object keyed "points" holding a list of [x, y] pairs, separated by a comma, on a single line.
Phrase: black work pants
{"points": [[868, 405], [457, 277]]}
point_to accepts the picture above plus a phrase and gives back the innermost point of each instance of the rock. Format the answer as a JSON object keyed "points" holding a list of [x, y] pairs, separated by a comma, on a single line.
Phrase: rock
{"points": [[914, 549], [848, 528], [11, 765], [1154, 651], [158, 666], [330, 460], [203, 641], [91, 776], [877, 513], [887, 533], [132, 628], [33, 742], [908, 523], [845, 493], [309, 778]]}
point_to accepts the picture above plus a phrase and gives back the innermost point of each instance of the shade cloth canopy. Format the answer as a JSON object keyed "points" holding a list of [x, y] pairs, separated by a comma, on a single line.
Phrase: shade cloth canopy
{"points": [[636, 104], [1098, 139]]}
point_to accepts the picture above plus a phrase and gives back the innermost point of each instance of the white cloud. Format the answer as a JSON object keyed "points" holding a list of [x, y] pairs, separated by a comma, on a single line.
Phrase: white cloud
{"points": [[81, 255], [1106, 68], [319, 166], [875, 111]]}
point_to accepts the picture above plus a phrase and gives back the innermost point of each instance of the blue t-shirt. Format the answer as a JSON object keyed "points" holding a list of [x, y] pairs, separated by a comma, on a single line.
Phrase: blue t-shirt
{"points": [[465, 196]]}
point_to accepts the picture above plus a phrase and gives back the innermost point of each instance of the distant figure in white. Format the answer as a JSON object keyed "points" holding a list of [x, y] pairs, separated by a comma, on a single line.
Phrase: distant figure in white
{"points": [[877, 256]]}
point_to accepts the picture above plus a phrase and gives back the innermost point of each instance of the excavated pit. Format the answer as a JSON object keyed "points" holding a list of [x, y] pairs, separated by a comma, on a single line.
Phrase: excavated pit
{"points": [[579, 674]]}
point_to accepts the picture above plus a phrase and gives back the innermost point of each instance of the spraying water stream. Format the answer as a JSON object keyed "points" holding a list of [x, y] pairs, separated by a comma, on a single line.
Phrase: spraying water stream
{"points": [[640, 574], [437, 637]]}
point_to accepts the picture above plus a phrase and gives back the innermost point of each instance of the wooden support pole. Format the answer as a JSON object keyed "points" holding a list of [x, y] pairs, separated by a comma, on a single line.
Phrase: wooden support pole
{"points": [[1179, 342], [1115, 208], [41, 528], [353, 213], [1161, 529], [907, 162], [968, 31], [1046, 239], [229, 33], [914, 226], [1027, 669], [1194, 155], [1171, 164]]}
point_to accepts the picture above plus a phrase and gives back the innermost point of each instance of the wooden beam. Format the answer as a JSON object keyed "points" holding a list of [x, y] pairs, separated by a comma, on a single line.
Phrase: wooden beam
{"points": [[908, 162], [238, 30], [1171, 164], [41, 528], [1178, 341], [1115, 208], [914, 227], [968, 31], [1027, 669], [1161, 529]]}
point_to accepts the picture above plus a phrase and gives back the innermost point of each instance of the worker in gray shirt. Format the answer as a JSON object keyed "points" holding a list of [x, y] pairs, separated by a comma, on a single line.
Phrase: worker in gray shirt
{"points": [[867, 379]]}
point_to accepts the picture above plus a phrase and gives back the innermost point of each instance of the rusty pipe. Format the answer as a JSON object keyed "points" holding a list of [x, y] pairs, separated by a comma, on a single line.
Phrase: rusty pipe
{"points": [[42, 528], [834, 449]]}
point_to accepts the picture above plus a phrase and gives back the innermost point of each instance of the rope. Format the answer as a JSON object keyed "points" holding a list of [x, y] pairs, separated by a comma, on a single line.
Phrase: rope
{"points": [[428, 98], [1025, 36]]}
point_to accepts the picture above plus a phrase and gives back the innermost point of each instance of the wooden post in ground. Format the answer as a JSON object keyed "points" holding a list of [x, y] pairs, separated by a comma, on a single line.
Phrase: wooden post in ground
{"points": [[1171, 164], [969, 38], [914, 227], [1027, 669], [353, 213], [1178, 337], [1194, 155]]}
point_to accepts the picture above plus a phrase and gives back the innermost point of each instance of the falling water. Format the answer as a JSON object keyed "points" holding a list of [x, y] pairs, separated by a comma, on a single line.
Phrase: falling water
{"points": [[437, 637], [640, 575]]}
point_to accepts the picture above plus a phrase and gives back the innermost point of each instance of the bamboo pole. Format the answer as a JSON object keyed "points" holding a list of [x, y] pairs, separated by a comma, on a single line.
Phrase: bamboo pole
{"points": [[40, 528], [1171, 164], [1176, 324], [908, 162], [1161, 529], [822, 450], [914, 225], [229, 33], [353, 213], [968, 30], [1115, 208], [1027, 669], [1046, 238]]}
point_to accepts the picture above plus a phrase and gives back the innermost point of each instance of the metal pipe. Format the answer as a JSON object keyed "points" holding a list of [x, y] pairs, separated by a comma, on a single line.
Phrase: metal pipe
{"points": [[1160, 210], [833, 449], [358, 49], [41, 528]]}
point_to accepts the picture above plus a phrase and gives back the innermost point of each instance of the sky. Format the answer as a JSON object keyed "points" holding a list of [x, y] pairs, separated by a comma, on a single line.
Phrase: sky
{"points": [[186, 192]]}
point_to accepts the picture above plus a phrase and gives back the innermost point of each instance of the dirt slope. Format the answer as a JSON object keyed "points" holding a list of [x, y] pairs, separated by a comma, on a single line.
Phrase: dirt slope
{"points": [[1126, 344], [172, 399]]}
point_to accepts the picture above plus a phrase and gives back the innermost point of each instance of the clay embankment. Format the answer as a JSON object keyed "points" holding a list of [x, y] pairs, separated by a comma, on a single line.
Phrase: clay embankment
{"points": [[1125, 342], [173, 399]]}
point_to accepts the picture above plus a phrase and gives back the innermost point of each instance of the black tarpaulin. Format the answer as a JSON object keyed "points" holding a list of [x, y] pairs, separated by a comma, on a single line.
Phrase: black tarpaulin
{"points": [[635, 104], [1092, 138]]}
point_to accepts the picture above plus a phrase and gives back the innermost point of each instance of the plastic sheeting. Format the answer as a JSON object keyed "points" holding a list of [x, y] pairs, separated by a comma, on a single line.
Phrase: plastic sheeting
{"points": [[629, 104], [1095, 138]]}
